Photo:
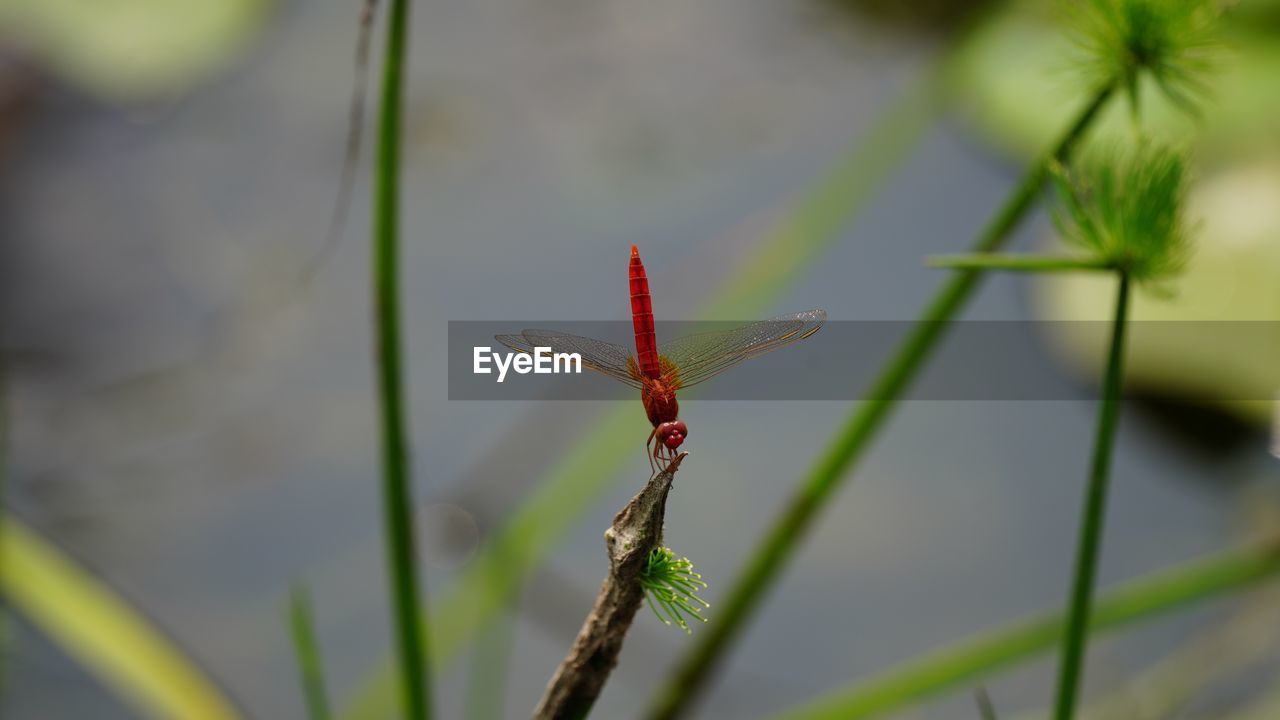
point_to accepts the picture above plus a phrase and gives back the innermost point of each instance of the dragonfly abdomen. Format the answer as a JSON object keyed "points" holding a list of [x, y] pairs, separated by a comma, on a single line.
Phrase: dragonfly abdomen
{"points": [[642, 317]]}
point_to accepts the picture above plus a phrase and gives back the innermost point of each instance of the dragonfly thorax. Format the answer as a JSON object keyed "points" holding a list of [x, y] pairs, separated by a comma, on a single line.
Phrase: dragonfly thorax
{"points": [[660, 403], [663, 410]]}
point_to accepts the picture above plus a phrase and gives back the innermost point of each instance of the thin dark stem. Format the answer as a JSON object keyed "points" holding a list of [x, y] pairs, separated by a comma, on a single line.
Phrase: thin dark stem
{"points": [[409, 631], [986, 708], [1093, 515], [351, 153], [310, 666], [789, 529], [636, 531]]}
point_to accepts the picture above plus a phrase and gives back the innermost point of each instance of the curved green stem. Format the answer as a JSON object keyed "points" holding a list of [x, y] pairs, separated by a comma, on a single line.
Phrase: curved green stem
{"points": [[789, 529], [1093, 514], [410, 632], [1017, 263]]}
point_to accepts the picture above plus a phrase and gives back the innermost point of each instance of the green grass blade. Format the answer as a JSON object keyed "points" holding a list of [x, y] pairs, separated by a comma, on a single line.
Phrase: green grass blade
{"points": [[101, 632], [397, 495], [574, 484], [957, 665], [1093, 514], [310, 664], [797, 517]]}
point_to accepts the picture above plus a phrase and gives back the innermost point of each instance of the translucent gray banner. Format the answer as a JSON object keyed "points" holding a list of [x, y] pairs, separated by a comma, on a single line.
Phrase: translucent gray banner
{"points": [[978, 360]]}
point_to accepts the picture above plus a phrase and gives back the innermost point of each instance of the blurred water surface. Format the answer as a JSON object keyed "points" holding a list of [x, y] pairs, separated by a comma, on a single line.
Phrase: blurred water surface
{"points": [[197, 426]]}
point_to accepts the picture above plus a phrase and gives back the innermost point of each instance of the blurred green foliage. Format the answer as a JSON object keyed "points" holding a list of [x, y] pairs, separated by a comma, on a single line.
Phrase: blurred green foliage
{"points": [[101, 632], [1016, 77], [131, 50], [954, 666]]}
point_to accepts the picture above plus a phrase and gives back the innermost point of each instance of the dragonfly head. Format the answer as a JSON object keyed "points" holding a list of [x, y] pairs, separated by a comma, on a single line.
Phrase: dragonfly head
{"points": [[672, 434]]}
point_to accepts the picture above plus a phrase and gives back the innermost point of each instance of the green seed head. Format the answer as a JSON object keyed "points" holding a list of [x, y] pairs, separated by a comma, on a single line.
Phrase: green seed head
{"points": [[1169, 41], [1125, 208], [671, 588]]}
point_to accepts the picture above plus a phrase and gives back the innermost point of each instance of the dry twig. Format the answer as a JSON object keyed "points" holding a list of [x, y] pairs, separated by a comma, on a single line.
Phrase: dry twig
{"points": [[636, 531]]}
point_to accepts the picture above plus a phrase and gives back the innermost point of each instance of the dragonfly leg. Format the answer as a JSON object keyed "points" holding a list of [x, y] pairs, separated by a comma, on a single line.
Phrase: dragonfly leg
{"points": [[651, 453], [661, 456]]}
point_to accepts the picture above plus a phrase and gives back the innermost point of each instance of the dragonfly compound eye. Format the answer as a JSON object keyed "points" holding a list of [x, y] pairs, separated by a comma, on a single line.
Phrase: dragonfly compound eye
{"points": [[667, 429]]}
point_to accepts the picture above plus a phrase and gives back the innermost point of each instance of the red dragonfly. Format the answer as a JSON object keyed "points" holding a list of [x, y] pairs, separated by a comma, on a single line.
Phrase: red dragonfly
{"points": [[659, 372]]}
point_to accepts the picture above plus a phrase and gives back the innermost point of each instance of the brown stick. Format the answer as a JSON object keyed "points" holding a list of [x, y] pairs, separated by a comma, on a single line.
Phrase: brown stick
{"points": [[636, 531]]}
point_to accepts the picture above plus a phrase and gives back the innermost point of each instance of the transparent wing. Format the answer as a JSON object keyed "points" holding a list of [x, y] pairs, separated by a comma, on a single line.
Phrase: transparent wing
{"points": [[704, 355], [603, 357]]}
